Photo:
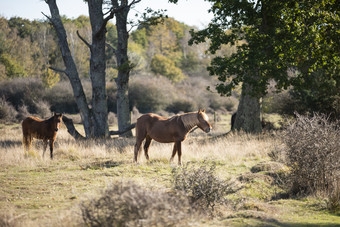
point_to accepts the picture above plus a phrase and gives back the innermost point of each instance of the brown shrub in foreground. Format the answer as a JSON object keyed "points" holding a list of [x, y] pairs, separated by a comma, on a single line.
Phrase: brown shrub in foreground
{"points": [[201, 186], [128, 204], [313, 155]]}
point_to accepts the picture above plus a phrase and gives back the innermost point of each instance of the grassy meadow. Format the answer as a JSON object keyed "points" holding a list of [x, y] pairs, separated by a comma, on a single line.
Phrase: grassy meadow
{"points": [[35, 191]]}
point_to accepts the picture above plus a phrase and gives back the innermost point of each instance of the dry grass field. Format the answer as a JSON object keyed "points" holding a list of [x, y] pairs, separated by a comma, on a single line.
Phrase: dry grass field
{"points": [[35, 191]]}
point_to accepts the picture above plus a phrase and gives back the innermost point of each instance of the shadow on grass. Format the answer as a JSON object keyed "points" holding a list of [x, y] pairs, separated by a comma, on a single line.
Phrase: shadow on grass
{"points": [[101, 165], [10, 143]]}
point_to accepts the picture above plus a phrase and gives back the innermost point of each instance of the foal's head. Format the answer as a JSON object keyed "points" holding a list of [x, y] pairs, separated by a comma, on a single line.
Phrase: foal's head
{"points": [[203, 121], [57, 117]]}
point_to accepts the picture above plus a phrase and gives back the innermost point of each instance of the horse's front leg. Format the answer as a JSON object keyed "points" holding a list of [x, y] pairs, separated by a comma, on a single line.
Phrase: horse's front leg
{"points": [[179, 151], [173, 152], [51, 148], [44, 147]]}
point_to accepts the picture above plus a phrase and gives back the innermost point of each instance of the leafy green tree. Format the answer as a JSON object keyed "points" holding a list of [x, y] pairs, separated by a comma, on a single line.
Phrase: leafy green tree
{"points": [[273, 38], [164, 66], [50, 78]]}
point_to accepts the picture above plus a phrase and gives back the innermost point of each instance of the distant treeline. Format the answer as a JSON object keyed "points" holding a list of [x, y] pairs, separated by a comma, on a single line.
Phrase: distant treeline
{"points": [[29, 48]]}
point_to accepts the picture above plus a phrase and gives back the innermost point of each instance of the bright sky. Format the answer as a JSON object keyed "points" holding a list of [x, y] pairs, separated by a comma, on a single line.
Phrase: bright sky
{"points": [[190, 12]]}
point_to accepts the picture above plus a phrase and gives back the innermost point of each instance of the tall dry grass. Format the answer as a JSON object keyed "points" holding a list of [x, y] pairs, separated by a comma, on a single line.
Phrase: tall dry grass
{"points": [[233, 148], [80, 169]]}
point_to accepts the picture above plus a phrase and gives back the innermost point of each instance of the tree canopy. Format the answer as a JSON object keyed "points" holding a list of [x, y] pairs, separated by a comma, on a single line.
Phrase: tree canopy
{"points": [[294, 43]]}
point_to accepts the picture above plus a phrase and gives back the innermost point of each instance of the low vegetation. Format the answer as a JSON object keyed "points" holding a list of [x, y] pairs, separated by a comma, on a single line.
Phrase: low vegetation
{"points": [[231, 180]]}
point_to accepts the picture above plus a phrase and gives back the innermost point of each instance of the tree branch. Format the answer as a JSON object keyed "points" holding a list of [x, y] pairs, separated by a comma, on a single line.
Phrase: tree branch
{"points": [[49, 18], [58, 70], [123, 131], [111, 47], [71, 129], [134, 2], [82, 39]]}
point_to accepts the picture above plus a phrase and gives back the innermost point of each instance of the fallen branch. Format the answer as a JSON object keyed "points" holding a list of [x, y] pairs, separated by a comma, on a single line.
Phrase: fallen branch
{"points": [[123, 131], [71, 129]]}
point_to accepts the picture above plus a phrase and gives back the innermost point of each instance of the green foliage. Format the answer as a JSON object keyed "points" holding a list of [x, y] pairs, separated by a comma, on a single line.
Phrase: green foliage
{"points": [[12, 68], [23, 26], [50, 78], [274, 38], [161, 65]]}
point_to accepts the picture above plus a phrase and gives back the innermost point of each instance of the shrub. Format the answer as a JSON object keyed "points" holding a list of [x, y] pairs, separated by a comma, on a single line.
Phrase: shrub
{"points": [[313, 151], [181, 105], [22, 113], [127, 204], [43, 109], [61, 98], [201, 185], [21, 91], [7, 111], [150, 94]]}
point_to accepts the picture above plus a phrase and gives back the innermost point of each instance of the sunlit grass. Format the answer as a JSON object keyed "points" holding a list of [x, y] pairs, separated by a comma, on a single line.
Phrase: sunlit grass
{"points": [[35, 190]]}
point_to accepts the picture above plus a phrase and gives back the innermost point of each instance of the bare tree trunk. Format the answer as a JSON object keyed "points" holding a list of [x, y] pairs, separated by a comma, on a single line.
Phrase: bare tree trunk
{"points": [[97, 69], [123, 111], [248, 117], [71, 70]]}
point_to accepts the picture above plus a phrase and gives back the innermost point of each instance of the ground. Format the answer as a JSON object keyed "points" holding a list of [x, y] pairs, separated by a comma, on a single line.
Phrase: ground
{"points": [[37, 191]]}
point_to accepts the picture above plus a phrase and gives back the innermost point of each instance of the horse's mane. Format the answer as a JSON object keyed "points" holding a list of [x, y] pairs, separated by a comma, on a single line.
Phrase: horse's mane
{"points": [[189, 120], [50, 119]]}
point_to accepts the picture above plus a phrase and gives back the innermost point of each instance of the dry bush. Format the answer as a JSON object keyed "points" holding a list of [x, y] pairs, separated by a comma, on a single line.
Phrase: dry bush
{"points": [[7, 111], [150, 94], [22, 113], [128, 204], [313, 151], [200, 184], [43, 109]]}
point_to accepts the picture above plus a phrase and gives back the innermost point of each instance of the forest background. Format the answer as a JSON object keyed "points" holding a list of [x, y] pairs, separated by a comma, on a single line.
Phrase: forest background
{"points": [[168, 75]]}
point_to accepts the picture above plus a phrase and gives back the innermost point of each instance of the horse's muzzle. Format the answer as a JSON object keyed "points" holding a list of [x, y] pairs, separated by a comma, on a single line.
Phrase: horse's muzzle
{"points": [[208, 129]]}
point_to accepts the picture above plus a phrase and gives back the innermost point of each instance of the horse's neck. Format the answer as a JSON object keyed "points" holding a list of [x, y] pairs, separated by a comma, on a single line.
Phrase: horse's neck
{"points": [[189, 120]]}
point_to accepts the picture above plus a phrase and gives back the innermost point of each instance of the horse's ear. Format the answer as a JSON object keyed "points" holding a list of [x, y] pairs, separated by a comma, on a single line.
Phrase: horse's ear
{"points": [[203, 110], [199, 111]]}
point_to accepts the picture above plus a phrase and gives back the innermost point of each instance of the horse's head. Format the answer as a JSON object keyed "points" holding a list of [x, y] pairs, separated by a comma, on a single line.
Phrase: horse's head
{"points": [[203, 121], [57, 121]]}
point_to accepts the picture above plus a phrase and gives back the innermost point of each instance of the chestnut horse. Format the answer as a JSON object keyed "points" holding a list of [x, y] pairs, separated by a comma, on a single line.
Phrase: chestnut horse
{"points": [[167, 130], [46, 130]]}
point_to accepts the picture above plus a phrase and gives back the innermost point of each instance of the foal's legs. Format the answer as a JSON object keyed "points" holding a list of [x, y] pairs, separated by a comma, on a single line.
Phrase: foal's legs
{"points": [[146, 147], [51, 148], [173, 152], [44, 147]]}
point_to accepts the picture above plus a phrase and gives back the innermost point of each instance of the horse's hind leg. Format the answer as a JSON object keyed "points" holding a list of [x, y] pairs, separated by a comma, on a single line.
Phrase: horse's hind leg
{"points": [[27, 140], [146, 146], [137, 148], [179, 152], [140, 136], [173, 152]]}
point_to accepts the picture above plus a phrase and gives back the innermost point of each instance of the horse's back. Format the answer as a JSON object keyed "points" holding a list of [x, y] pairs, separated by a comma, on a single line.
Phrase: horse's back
{"points": [[159, 128], [35, 127]]}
